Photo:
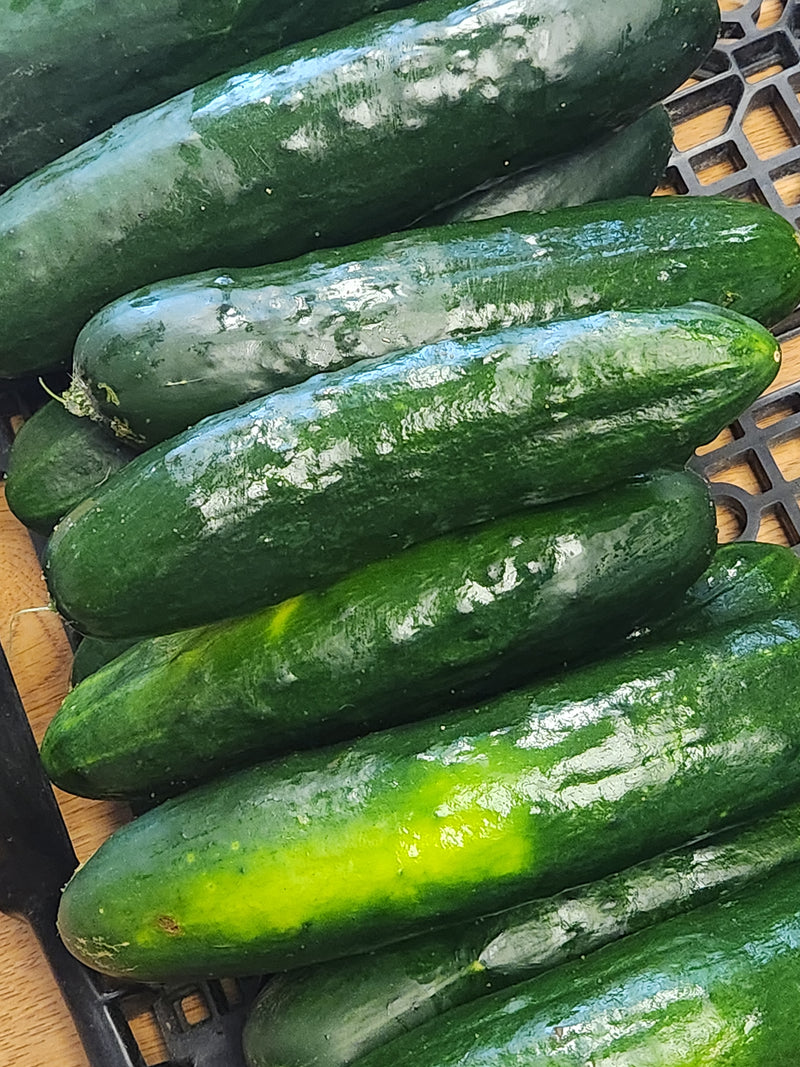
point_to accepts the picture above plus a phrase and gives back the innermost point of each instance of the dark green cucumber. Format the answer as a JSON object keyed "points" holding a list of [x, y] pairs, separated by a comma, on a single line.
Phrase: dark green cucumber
{"points": [[356, 132], [289, 492], [744, 579], [69, 71], [458, 616], [716, 987], [629, 162], [95, 652], [342, 849], [164, 357], [336, 1012], [55, 462]]}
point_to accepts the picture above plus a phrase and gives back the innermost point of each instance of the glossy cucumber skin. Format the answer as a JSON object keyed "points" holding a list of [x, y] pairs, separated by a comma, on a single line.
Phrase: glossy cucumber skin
{"points": [[357, 132], [716, 987], [629, 162], [331, 1014], [160, 359], [336, 1012], [55, 462], [291, 491], [71, 71], [344, 849], [744, 579], [446, 621]]}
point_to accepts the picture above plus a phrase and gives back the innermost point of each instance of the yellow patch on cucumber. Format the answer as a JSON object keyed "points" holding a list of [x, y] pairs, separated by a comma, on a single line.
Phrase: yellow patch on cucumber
{"points": [[279, 617], [456, 830]]}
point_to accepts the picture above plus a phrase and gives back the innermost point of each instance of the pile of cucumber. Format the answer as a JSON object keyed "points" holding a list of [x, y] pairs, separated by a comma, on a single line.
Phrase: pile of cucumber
{"points": [[402, 615]]}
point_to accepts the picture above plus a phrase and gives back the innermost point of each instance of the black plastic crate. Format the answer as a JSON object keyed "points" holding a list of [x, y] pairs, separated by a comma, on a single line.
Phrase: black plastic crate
{"points": [[746, 92]]}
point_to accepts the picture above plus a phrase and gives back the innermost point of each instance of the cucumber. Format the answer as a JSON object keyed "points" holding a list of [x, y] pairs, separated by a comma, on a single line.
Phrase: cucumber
{"points": [[744, 579], [353, 133], [629, 162], [460, 615], [717, 987], [55, 462], [159, 360], [330, 1014], [68, 71], [95, 652], [334, 1013], [342, 849], [291, 491]]}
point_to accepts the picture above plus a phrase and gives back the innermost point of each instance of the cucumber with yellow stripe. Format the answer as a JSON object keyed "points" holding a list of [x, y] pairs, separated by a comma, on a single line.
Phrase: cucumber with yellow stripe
{"points": [[466, 613], [292, 491], [339, 850], [332, 1014]]}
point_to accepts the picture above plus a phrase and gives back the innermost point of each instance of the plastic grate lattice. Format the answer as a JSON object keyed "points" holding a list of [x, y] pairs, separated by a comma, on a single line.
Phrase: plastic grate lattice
{"points": [[737, 134], [748, 91]]}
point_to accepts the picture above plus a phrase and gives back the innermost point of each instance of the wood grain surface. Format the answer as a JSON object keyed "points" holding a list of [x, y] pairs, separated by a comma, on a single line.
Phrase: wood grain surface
{"points": [[35, 1029]]}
